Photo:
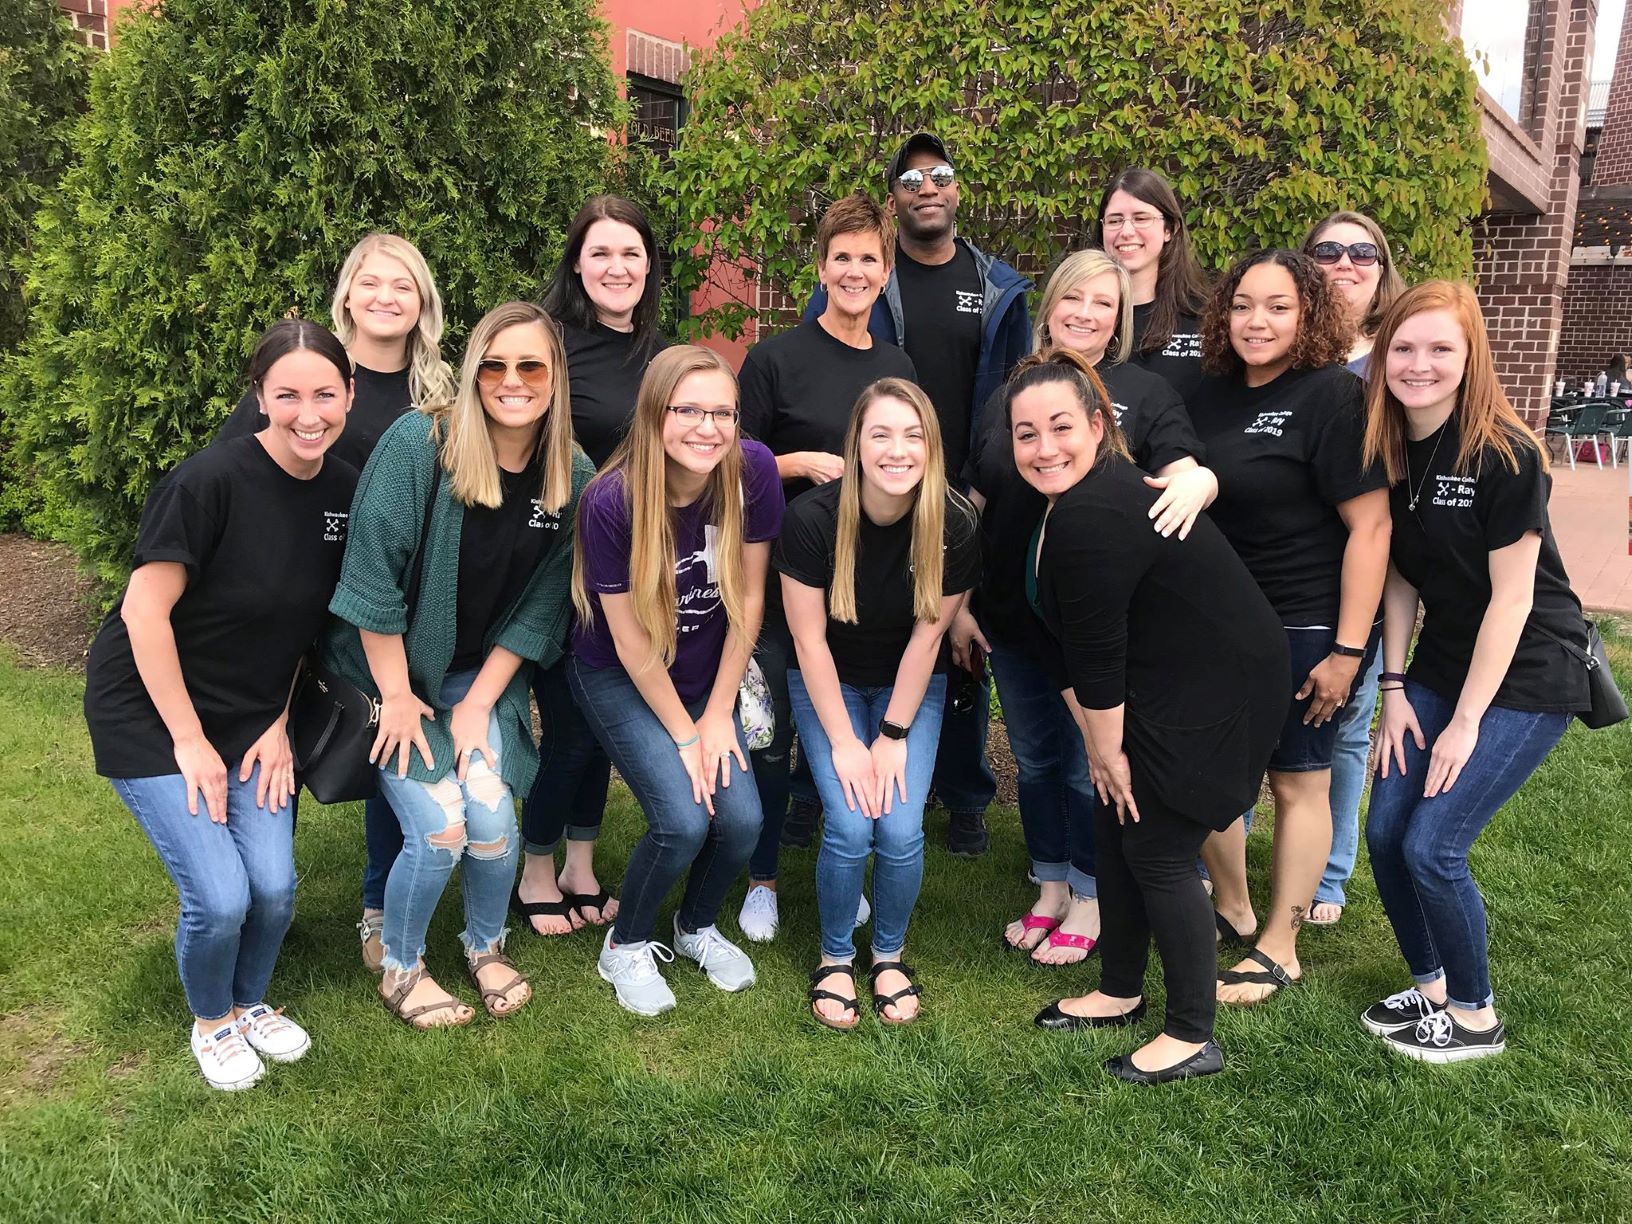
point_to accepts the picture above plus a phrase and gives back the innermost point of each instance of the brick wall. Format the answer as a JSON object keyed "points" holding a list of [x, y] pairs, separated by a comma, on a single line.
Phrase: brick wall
{"points": [[656, 57], [1597, 319], [90, 18], [1614, 161]]}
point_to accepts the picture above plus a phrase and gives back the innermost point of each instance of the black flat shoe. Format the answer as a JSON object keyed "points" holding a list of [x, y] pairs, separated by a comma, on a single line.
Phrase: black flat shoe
{"points": [[1228, 936], [1051, 1017], [1209, 1060]]}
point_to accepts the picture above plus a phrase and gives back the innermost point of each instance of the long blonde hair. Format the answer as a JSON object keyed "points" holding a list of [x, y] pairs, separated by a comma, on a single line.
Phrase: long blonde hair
{"points": [[1073, 270], [1484, 417], [641, 464], [928, 509], [461, 424], [429, 379]]}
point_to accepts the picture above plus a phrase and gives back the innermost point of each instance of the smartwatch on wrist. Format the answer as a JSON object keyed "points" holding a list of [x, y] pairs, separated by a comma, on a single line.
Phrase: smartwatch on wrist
{"points": [[895, 731], [1348, 652]]}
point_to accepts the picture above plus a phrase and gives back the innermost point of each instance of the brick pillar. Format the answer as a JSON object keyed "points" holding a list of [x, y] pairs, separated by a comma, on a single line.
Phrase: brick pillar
{"points": [[1614, 163]]}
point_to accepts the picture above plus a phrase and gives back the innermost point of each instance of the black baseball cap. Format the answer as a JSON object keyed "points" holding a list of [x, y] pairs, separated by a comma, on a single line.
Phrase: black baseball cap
{"points": [[920, 142]]}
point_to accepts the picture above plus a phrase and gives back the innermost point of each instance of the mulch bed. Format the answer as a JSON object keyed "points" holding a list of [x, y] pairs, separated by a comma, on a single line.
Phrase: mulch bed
{"points": [[47, 608]]}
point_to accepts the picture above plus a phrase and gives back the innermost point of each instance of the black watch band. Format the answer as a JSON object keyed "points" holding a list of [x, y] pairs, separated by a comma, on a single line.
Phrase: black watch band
{"points": [[1348, 652], [895, 731]]}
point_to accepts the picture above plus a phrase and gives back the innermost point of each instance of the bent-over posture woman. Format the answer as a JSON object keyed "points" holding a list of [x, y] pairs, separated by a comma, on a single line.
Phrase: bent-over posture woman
{"points": [[873, 566], [187, 687], [1176, 669], [1492, 683], [490, 480]]}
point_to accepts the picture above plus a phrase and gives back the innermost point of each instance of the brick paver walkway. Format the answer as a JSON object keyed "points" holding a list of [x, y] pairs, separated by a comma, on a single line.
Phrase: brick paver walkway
{"points": [[1590, 513]]}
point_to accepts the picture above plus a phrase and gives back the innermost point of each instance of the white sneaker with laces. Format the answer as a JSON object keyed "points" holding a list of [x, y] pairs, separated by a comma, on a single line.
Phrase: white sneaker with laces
{"points": [[636, 980], [226, 1059], [273, 1034], [758, 916], [863, 911], [727, 965]]}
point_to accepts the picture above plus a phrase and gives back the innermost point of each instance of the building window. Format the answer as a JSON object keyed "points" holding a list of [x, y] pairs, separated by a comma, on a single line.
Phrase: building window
{"points": [[1502, 39], [659, 110]]}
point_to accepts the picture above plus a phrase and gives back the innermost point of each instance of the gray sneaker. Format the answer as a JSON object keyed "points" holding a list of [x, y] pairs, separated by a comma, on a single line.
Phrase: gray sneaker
{"points": [[727, 965], [632, 970]]}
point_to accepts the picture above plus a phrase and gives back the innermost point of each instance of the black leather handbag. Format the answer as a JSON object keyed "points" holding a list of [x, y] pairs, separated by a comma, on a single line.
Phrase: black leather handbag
{"points": [[332, 722], [1608, 703]]}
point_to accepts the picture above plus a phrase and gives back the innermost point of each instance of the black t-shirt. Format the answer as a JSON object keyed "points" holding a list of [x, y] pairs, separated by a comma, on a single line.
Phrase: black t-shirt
{"points": [[499, 550], [604, 375], [942, 305], [1286, 455], [262, 550], [379, 400], [867, 654], [798, 390], [1443, 549], [1179, 360], [1158, 431]]}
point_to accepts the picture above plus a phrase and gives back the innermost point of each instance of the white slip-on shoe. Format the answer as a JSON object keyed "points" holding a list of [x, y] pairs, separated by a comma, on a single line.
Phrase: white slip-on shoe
{"points": [[863, 911], [758, 917], [636, 980], [727, 965], [226, 1059], [273, 1034]]}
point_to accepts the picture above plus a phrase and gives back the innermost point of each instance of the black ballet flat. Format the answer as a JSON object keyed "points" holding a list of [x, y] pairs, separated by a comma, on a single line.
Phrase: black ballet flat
{"points": [[1209, 1060], [1052, 1018]]}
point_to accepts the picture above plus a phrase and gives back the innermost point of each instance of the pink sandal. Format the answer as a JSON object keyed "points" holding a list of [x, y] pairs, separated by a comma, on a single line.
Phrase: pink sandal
{"points": [[1062, 939], [1033, 922]]}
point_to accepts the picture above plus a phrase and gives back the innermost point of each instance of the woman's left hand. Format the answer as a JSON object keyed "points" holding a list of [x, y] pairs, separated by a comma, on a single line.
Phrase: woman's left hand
{"points": [[1330, 681], [277, 762], [468, 725], [1113, 779], [890, 768], [1184, 496], [1450, 753], [718, 733]]}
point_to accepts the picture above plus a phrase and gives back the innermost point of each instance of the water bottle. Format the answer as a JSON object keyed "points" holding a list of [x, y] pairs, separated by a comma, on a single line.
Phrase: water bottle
{"points": [[1603, 384]]}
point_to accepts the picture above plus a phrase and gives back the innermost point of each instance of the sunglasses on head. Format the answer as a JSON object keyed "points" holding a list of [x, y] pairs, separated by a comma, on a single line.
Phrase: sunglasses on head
{"points": [[490, 371], [1361, 254], [941, 176]]}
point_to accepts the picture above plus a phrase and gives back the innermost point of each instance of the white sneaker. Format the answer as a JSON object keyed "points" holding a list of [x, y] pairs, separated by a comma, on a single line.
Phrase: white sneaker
{"points": [[636, 980], [226, 1059], [727, 965], [274, 1034], [758, 917], [863, 911]]}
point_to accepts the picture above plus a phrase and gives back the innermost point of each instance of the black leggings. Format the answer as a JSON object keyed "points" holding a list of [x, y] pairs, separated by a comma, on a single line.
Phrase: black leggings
{"points": [[1148, 886]]}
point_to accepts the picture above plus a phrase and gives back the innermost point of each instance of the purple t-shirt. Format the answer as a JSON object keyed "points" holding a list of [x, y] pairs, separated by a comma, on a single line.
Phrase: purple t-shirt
{"points": [[603, 524]]}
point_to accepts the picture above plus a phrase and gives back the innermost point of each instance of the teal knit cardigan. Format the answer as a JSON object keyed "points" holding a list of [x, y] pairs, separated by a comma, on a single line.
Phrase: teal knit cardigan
{"points": [[386, 516]]}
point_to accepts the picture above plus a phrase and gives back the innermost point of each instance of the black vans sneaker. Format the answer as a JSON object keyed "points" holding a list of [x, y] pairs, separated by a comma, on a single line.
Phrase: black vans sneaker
{"points": [[799, 826], [1439, 1039], [1399, 1011], [966, 834]]}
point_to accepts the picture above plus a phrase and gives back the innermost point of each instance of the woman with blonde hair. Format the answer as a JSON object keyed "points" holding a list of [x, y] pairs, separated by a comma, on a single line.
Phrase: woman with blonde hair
{"points": [[669, 569], [1499, 664], [485, 487], [873, 565]]}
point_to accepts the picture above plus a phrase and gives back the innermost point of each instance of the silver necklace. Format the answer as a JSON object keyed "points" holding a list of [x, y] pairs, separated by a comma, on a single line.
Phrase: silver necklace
{"points": [[1411, 504]]}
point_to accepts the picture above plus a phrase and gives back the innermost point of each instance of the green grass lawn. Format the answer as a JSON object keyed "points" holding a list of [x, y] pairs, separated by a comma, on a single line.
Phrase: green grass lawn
{"points": [[739, 1107]]}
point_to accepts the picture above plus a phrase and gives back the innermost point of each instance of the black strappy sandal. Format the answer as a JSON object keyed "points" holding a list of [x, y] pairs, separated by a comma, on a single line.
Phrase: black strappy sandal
{"points": [[1228, 936], [850, 1005], [1272, 975], [525, 910], [881, 1001], [579, 902]]}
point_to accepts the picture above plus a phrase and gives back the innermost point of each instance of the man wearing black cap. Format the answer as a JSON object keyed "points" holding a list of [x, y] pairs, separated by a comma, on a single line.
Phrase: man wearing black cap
{"points": [[961, 316]]}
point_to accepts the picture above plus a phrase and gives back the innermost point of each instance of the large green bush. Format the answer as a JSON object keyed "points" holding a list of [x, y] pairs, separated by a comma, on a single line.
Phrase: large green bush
{"points": [[233, 152], [1265, 116]]}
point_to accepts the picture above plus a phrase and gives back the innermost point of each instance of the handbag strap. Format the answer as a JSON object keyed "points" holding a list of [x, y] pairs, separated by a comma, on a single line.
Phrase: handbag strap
{"points": [[417, 566], [1583, 656]]}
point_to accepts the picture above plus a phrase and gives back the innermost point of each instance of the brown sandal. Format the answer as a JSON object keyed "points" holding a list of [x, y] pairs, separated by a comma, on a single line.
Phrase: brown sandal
{"points": [[498, 994], [395, 1003]]}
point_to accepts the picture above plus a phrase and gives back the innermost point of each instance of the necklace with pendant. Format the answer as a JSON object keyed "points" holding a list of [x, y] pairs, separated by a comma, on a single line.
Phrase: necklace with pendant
{"points": [[1411, 503]]}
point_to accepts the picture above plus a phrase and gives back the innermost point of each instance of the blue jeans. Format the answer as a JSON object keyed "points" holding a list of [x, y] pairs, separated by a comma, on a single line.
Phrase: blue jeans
{"points": [[237, 885], [1349, 765], [569, 793], [1056, 796], [679, 833], [382, 836], [1419, 847], [963, 780], [445, 824], [895, 841]]}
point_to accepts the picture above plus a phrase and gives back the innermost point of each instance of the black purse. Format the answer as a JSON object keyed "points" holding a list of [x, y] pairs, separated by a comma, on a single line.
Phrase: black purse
{"points": [[1608, 702], [332, 722]]}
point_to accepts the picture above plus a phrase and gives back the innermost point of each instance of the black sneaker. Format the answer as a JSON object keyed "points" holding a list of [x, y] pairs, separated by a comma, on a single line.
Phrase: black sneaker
{"points": [[966, 834], [799, 828], [1439, 1039], [1399, 1011]]}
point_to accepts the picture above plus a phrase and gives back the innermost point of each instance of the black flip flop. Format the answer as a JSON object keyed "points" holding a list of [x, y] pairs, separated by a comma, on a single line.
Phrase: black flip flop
{"points": [[1272, 975], [881, 1001], [582, 901], [525, 910]]}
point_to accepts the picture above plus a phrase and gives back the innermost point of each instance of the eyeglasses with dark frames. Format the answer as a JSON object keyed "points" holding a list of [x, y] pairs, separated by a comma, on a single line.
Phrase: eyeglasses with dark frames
{"points": [[723, 418]]}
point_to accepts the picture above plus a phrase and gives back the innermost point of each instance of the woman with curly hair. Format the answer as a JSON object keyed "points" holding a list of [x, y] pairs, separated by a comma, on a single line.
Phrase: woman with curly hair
{"points": [[1283, 424]]}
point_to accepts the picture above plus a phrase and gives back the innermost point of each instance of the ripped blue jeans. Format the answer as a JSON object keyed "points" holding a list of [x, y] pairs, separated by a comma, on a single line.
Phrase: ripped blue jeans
{"points": [[448, 823]]}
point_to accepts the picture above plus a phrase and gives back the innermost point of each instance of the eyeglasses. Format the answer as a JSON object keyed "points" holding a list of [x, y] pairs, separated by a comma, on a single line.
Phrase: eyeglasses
{"points": [[723, 418], [490, 371], [1140, 221], [913, 180], [1361, 254]]}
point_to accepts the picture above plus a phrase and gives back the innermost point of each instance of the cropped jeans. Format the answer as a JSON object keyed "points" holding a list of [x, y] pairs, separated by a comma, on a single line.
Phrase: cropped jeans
{"points": [[1419, 847], [896, 840], [236, 880], [569, 794], [449, 823]]}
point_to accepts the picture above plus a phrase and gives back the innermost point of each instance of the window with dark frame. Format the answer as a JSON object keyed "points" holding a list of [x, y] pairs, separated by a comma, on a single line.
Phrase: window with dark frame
{"points": [[659, 111]]}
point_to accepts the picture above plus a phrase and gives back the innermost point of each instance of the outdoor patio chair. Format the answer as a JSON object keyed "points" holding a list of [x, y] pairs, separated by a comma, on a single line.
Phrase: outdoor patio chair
{"points": [[1620, 431], [1585, 425]]}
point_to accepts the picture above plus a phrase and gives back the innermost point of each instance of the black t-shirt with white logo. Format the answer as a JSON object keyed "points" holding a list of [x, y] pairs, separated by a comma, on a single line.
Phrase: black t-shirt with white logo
{"points": [[262, 551], [941, 305], [1158, 431], [1286, 455], [499, 550], [1443, 549], [379, 400], [1179, 360], [867, 654], [604, 376], [798, 390]]}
